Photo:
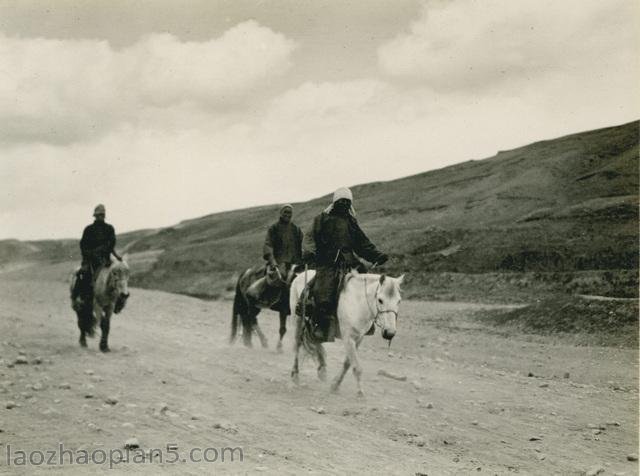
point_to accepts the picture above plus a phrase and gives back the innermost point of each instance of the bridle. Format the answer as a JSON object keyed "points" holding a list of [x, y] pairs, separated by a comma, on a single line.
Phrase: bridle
{"points": [[112, 282], [378, 311]]}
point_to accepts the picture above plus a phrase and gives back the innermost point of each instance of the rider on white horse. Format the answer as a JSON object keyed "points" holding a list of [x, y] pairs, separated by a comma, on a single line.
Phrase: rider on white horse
{"points": [[333, 244]]}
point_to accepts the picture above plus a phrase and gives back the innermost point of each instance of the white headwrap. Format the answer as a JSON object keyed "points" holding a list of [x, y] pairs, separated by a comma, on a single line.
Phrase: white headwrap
{"points": [[342, 193]]}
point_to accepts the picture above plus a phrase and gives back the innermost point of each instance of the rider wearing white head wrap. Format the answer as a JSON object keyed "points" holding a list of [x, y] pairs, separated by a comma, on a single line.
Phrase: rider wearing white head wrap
{"points": [[334, 242], [342, 193]]}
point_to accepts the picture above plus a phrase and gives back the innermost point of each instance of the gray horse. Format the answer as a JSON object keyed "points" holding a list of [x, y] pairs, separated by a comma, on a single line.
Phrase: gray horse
{"points": [[110, 294]]}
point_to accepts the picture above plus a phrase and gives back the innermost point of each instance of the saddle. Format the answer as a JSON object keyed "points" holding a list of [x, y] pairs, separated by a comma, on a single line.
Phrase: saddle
{"points": [[304, 309], [266, 291], [305, 305]]}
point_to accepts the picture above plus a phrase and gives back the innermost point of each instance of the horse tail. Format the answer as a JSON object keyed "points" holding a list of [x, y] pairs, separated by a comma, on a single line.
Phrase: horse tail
{"points": [[303, 335], [239, 308]]}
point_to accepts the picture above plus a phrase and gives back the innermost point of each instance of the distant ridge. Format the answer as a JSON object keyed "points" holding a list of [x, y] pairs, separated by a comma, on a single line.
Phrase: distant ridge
{"points": [[565, 205]]}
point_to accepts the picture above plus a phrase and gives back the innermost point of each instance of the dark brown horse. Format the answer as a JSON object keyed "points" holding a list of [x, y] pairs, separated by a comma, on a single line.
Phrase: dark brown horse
{"points": [[260, 288]]}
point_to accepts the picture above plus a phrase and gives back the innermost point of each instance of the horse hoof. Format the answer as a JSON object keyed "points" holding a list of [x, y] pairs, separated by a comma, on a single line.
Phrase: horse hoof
{"points": [[322, 374], [104, 348], [83, 343], [334, 388], [295, 378], [279, 348]]}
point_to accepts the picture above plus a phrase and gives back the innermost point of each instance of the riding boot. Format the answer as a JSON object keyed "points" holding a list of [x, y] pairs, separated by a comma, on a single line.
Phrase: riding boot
{"points": [[81, 285], [321, 322], [75, 292]]}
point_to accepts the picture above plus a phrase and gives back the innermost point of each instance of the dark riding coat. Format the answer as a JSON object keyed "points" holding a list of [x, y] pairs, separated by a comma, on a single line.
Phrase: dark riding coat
{"points": [[283, 243], [330, 234], [97, 243]]}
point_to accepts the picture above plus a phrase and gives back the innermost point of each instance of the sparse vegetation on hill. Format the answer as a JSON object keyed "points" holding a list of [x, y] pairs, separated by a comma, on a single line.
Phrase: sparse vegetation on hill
{"points": [[557, 216]]}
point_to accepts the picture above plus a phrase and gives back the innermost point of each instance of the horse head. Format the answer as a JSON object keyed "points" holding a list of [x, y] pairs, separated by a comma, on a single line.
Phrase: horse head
{"points": [[118, 283], [387, 305]]}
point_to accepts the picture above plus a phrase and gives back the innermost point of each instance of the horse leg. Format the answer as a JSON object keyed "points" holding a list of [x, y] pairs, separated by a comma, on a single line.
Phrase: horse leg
{"points": [[338, 380], [263, 338], [357, 368], [295, 371], [282, 330], [296, 350], [322, 363], [105, 323], [81, 326]]}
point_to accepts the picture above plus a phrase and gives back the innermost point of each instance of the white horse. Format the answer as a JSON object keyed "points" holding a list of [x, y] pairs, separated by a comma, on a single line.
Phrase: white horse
{"points": [[365, 300]]}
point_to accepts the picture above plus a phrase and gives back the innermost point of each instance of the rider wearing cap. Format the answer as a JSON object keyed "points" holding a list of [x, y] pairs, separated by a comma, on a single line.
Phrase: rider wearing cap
{"points": [[333, 244], [97, 244], [283, 243]]}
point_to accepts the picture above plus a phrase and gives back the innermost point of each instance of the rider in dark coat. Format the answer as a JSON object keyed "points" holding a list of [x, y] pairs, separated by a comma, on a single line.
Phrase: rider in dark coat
{"points": [[283, 243], [332, 244], [97, 244]]}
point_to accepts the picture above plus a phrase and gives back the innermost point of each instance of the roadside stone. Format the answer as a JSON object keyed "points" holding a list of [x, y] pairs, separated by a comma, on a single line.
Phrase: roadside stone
{"points": [[474, 422], [419, 441], [37, 386], [567, 375], [226, 426], [393, 376], [88, 395], [111, 400], [57, 400], [10, 404], [543, 385], [21, 360], [632, 457], [127, 424], [89, 372], [37, 361], [535, 438], [417, 385], [131, 443], [592, 426], [318, 410], [65, 386], [594, 471]]}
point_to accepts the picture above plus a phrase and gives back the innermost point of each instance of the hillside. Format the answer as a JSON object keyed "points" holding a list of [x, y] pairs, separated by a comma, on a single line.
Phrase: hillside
{"points": [[558, 215]]}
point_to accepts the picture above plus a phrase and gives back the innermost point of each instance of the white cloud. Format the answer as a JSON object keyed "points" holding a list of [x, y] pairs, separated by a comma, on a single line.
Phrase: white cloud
{"points": [[62, 91], [169, 139], [467, 44]]}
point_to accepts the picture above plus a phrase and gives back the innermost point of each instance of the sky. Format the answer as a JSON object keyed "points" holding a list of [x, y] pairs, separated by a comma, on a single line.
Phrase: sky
{"points": [[167, 110]]}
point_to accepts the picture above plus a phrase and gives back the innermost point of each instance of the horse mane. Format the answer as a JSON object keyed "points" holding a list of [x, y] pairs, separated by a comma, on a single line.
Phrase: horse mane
{"points": [[371, 277]]}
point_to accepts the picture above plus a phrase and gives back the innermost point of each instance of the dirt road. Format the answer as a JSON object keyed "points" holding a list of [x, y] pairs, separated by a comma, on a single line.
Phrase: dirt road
{"points": [[468, 405]]}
